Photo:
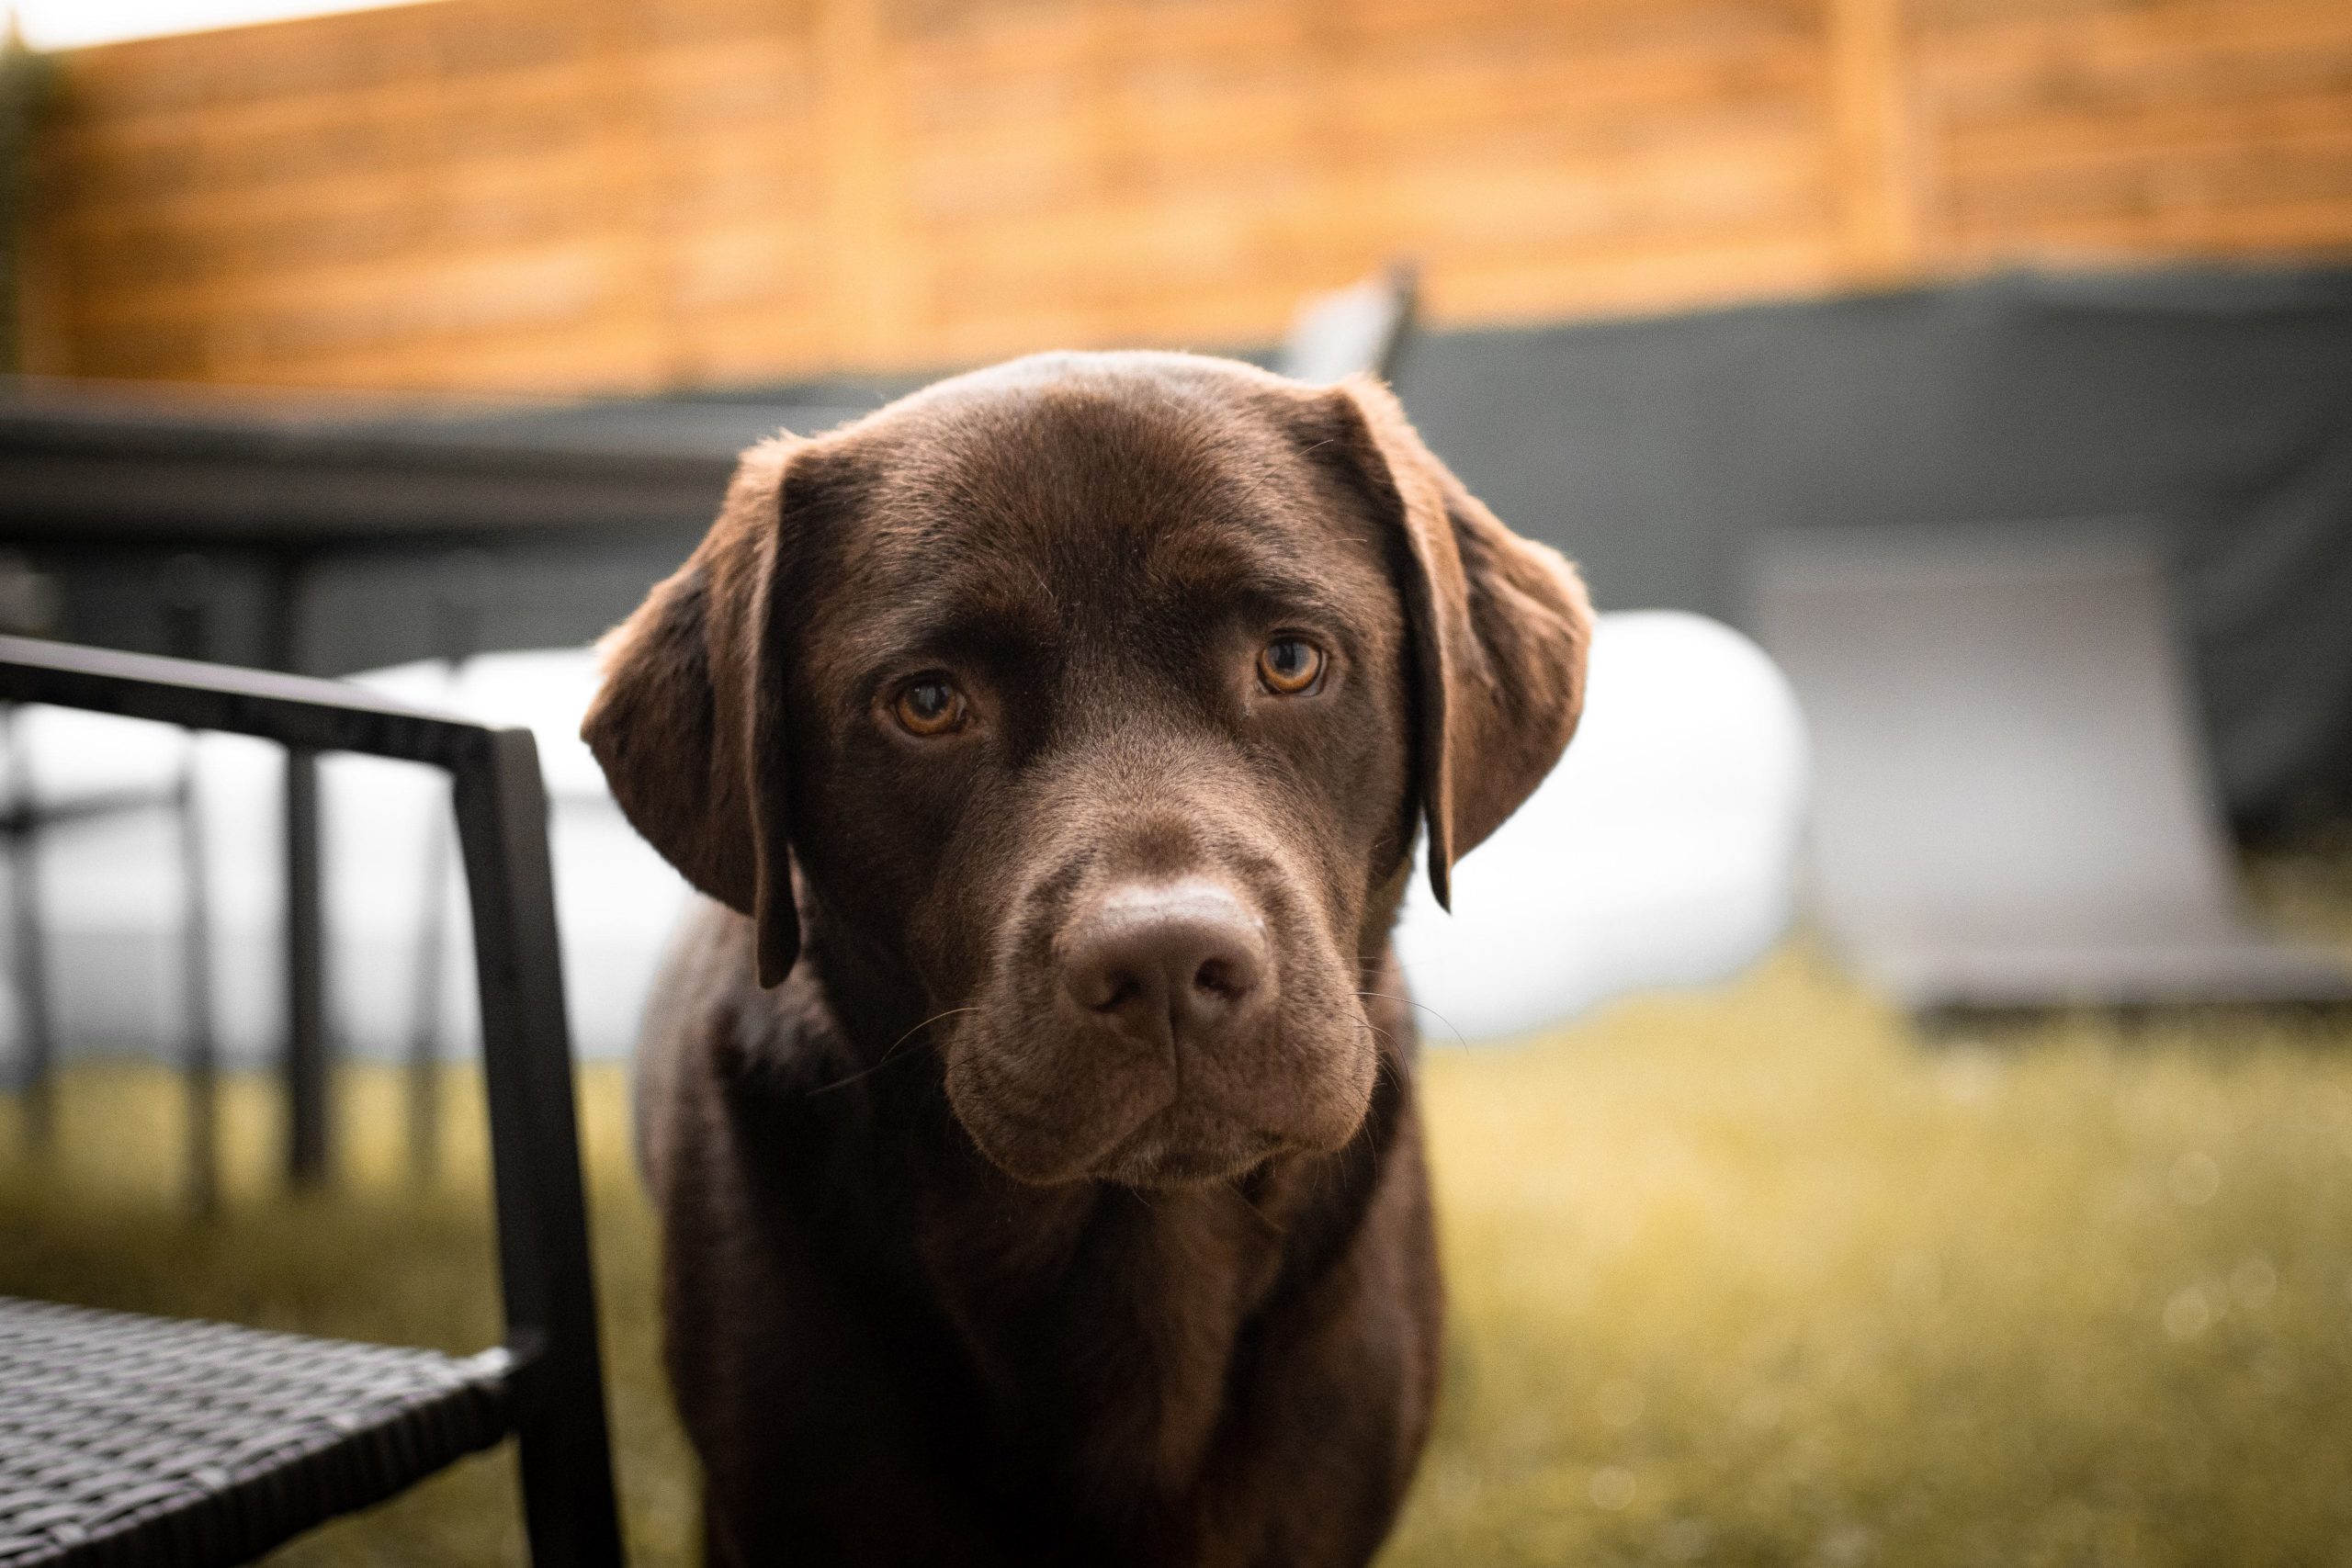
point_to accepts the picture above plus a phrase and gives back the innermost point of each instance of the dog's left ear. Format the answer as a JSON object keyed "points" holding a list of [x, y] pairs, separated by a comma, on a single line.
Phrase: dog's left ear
{"points": [[688, 722], [1500, 628]]}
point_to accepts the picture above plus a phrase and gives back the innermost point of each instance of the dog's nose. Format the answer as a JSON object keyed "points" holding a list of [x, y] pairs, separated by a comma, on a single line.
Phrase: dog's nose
{"points": [[1167, 964]]}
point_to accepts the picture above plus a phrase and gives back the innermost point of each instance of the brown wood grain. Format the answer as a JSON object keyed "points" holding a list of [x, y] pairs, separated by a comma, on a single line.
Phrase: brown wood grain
{"points": [[581, 195]]}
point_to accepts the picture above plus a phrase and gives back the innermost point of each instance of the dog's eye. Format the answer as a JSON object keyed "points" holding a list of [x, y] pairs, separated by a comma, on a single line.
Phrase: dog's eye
{"points": [[931, 707], [1289, 665]]}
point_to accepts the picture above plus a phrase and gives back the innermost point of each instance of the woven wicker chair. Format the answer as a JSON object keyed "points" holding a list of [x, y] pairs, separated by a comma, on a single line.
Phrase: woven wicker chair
{"points": [[173, 1444]]}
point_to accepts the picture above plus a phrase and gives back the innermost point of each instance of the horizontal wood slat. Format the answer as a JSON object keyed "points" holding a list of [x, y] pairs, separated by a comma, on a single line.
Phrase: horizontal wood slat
{"points": [[574, 195]]}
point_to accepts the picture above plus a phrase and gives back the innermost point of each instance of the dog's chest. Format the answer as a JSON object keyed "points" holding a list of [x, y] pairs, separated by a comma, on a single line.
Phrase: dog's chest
{"points": [[1102, 1327]]}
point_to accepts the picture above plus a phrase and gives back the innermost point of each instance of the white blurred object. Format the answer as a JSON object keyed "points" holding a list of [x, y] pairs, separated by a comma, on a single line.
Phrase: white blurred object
{"points": [[112, 893], [113, 897], [1661, 851], [616, 898], [1359, 330]]}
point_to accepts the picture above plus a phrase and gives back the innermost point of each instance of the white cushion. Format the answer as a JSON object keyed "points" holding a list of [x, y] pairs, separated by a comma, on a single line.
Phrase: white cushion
{"points": [[615, 899], [1661, 851]]}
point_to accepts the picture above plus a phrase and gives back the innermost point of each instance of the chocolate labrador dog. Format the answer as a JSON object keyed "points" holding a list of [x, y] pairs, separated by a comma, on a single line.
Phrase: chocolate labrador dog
{"points": [[1031, 1113]]}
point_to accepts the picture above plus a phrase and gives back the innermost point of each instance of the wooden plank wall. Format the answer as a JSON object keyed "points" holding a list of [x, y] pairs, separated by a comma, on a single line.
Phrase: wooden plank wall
{"points": [[564, 195]]}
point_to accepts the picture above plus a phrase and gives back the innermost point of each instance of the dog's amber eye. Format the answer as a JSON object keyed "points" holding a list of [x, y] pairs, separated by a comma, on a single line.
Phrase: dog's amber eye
{"points": [[931, 707], [1289, 665]]}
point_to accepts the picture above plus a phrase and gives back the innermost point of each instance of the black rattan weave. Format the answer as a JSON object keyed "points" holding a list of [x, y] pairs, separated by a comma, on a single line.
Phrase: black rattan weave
{"points": [[166, 1443]]}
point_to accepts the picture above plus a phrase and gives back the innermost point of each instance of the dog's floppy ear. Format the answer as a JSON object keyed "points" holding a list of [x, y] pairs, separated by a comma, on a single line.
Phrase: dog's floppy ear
{"points": [[688, 725], [1500, 628]]}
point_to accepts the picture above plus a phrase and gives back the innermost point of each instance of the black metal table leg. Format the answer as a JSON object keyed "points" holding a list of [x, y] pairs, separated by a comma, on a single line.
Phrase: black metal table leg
{"points": [[308, 1061], [307, 1127]]}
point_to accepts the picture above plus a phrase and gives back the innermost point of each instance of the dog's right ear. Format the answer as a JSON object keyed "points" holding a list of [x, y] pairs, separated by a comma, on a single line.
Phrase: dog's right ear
{"points": [[1499, 624], [688, 723]]}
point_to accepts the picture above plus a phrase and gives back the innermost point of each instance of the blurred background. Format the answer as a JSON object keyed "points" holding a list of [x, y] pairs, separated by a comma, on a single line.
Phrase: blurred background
{"points": [[1908, 1115]]}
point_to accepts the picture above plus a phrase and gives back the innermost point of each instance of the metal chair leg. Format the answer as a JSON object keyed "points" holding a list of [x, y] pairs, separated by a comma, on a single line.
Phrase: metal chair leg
{"points": [[570, 1510]]}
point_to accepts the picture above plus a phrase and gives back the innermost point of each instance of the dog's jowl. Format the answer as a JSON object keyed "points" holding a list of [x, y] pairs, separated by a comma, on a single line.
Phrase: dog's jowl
{"points": [[1031, 1111]]}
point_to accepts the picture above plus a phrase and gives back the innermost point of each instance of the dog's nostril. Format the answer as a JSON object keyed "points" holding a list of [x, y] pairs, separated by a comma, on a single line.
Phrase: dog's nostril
{"points": [[1220, 977], [1122, 993]]}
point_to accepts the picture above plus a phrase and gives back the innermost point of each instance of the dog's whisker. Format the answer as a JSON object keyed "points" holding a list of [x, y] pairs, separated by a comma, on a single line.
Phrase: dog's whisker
{"points": [[1273, 1227], [1389, 1064], [869, 1072], [858, 1076], [1410, 1002]]}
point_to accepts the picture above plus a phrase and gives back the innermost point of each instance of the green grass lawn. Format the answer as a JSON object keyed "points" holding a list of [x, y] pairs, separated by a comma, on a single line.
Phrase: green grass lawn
{"points": [[1754, 1276]]}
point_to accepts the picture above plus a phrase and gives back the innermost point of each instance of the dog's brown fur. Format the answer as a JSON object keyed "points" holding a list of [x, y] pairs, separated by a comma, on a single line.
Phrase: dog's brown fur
{"points": [[952, 1274]]}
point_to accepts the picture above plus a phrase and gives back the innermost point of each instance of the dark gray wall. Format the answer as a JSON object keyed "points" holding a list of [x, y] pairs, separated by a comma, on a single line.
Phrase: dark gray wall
{"points": [[1661, 452]]}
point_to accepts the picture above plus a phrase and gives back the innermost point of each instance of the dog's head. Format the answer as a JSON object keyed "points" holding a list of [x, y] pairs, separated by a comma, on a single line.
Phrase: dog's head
{"points": [[1097, 699]]}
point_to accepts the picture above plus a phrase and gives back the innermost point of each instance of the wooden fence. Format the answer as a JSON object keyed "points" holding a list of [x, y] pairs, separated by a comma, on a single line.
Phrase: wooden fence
{"points": [[554, 195]]}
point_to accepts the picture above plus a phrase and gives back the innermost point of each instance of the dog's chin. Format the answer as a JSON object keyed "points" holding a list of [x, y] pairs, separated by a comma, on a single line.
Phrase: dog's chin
{"points": [[1175, 1146], [1174, 1149]]}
